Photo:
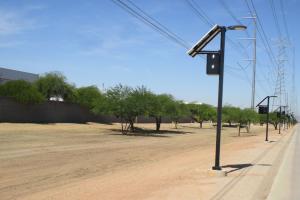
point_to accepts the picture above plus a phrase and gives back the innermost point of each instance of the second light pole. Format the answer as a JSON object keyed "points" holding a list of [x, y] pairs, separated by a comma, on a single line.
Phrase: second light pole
{"points": [[215, 66]]}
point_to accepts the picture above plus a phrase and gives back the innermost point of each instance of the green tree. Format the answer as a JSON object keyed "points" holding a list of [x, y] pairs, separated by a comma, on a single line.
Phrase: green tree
{"points": [[136, 104], [89, 97], [117, 96], [230, 114], [293, 119], [262, 118], [158, 107], [126, 104], [274, 119], [245, 118], [202, 112], [251, 116], [54, 84], [21, 91], [177, 110]]}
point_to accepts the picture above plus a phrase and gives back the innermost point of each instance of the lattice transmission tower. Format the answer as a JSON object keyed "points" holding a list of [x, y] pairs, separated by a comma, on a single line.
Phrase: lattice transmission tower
{"points": [[280, 86]]}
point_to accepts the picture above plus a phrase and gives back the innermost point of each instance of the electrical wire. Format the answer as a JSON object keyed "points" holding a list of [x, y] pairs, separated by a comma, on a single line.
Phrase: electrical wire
{"points": [[205, 18], [151, 22], [274, 13]]}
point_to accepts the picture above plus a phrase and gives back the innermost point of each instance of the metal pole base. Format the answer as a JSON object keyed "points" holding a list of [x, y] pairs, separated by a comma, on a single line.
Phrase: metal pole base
{"points": [[216, 168]]}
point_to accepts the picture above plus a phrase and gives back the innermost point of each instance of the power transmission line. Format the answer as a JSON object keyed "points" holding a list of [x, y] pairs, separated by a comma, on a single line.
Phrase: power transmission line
{"points": [[280, 89], [263, 35], [205, 18], [141, 15], [227, 8], [274, 13], [199, 12], [229, 11], [151, 22], [284, 20]]}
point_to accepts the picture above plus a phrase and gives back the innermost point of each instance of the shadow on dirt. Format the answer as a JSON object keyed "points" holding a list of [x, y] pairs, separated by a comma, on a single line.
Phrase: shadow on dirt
{"points": [[193, 127], [237, 167], [150, 132], [248, 135]]}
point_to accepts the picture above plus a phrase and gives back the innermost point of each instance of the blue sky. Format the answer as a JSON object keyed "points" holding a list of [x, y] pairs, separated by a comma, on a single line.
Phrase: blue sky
{"points": [[98, 43]]}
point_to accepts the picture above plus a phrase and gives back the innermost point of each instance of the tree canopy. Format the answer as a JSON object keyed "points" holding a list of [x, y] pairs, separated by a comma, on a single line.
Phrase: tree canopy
{"points": [[89, 96], [231, 114], [177, 110], [54, 85], [128, 103], [21, 91], [202, 112]]}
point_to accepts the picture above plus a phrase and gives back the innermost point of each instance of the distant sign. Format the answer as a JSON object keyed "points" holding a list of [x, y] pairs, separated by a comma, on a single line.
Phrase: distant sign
{"points": [[262, 109], [278, 114]]}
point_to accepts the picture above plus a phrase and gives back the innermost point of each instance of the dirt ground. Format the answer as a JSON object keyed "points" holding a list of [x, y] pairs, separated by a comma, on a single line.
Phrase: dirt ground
{"points": [[94, 161]]}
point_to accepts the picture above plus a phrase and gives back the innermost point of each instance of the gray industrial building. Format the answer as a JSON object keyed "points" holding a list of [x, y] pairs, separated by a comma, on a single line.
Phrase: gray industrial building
{"points": [[10, 75]]}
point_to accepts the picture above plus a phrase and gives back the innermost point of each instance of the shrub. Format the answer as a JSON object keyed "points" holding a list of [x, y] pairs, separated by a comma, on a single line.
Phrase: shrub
{"points": [[21, 91]]}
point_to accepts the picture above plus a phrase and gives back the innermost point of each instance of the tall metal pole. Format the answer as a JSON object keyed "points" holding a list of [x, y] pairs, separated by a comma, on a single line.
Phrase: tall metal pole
{"points": [[254, 65], [220, 99], [267, 128], [253, 88]]}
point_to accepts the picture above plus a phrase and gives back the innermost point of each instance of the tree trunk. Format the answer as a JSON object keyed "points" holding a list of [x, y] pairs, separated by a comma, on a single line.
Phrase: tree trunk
{"points": [[249, 124], [201, 124], [158, 122], [176, 124], [124, 128], [275, 126], [131, 125], [239, 129]]}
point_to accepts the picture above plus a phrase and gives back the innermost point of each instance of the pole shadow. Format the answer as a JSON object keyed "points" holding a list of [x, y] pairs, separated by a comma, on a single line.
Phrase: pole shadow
{"points": [[237, 167]]}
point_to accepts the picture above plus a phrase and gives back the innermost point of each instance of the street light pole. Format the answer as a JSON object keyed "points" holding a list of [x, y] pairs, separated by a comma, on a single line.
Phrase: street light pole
{"points": [[266, 112], [279, 120], [267, 128], [215, 66], [220, 101]]}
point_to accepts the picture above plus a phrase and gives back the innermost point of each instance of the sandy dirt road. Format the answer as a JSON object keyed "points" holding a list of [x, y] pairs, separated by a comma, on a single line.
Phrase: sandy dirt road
{"points": [[93, 161]]}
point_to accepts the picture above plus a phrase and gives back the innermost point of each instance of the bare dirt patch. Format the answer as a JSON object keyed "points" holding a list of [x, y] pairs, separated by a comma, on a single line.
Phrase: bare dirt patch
{"points": [[94, 161]]}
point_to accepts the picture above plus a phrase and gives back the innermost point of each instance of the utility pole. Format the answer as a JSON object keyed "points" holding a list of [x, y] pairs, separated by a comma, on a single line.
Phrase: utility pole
{"points": [[253, 17]]}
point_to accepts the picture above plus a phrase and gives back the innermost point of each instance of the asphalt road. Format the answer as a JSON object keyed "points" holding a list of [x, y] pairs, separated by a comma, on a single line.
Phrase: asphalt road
{"points": [[286, 185]]}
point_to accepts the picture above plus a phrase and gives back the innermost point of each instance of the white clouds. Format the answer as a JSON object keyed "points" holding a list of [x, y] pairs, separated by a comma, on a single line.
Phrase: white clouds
{"points": [[13, 23], [8, 23]]}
